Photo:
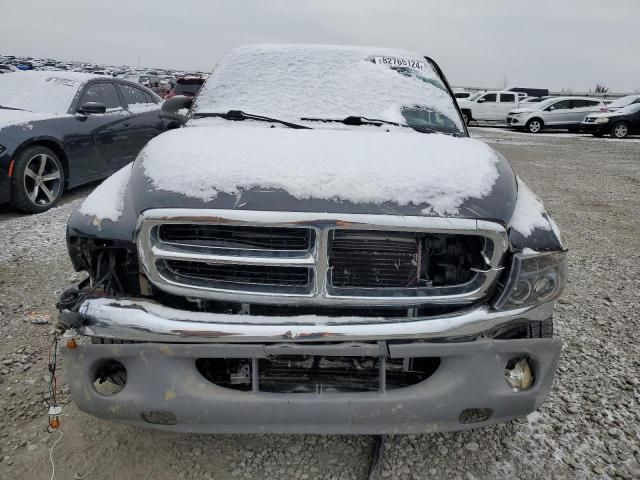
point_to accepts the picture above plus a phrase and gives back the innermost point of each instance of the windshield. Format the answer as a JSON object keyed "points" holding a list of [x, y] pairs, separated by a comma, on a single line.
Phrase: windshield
{"points": [[544, 104], [39, 91], [294, 82], [624, 101], [189, 86]]}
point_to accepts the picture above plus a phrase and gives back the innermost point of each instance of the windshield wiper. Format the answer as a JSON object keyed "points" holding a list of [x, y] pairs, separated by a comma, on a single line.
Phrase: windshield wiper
{"points": [[238, 115], [12, 108], [354, 120]]}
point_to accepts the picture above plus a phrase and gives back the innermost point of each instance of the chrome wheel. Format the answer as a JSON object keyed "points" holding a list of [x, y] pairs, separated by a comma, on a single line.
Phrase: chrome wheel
{"points": [[42, 180], [621, 130], [535, 126]]}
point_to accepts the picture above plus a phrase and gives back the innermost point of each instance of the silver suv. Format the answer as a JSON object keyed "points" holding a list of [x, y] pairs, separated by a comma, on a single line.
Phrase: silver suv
{"points": [[558, 112]]}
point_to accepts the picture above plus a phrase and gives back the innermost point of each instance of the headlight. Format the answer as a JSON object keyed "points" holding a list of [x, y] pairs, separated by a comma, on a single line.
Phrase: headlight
{"points": [[534, 279], [517, 114], [602, 120]]}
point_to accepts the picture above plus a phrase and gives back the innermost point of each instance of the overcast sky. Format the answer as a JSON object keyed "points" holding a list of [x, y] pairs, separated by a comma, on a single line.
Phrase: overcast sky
{"points": [[550, 44]]}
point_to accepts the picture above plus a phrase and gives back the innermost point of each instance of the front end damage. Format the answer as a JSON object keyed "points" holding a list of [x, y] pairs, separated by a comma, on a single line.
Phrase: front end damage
{"points": [[188, 335]]}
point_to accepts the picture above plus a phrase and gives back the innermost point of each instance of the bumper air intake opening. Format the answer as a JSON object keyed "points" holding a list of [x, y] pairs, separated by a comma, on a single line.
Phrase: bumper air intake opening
{"points": [[316, 374]]}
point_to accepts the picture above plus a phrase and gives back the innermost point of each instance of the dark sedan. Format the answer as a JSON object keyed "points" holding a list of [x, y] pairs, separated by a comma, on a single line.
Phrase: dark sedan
{"points": [[59, 130], [619, 123]]}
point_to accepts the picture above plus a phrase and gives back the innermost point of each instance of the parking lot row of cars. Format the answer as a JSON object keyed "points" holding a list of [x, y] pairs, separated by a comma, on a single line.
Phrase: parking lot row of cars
{"points": [[618, 118], [163, 82]]}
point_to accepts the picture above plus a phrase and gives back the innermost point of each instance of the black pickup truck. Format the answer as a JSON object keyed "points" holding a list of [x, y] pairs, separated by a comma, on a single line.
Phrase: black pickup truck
{"points": [[320, 248]]}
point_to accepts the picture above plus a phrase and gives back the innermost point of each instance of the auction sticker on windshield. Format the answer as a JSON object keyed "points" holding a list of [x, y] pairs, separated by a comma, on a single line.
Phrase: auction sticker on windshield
{"points": [[400, 62]]}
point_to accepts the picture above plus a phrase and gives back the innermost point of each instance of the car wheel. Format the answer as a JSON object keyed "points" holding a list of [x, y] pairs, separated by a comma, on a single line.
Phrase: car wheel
{"points": [[466, 117], [534, 125], [620, 130], [37, 181]]}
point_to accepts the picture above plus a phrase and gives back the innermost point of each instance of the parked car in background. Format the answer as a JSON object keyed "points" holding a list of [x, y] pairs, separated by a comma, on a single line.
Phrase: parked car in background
{"points": [[59, 130], [188, 86], [6, 68], [530, 100], [489, 106], [618, 123], [622, 102], [323, 250], [149, 80], [559, 112]]}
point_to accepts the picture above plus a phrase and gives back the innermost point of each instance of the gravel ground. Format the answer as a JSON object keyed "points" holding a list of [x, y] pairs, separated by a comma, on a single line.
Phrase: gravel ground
{"points": [[588, 428]]}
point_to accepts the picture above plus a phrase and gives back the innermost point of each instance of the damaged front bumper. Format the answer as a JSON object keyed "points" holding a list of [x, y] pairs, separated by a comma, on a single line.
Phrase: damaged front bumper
{"points": [[165, 389]]}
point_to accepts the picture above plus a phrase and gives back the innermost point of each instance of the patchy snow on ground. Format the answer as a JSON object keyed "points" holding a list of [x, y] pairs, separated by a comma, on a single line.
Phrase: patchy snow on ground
{"points": [[325, 81], [404, 168], [107, 200], [529, 212]]}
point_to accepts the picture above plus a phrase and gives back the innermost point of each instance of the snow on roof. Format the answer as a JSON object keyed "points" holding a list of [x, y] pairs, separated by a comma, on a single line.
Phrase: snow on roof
{"points": [[529, 212], [41, 91], [361, 166], [106, 202], [294, 81]]}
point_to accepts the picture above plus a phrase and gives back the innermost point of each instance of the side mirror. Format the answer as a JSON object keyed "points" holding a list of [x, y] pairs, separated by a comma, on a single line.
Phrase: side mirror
{"points": [[171, 107], [481, 100], [93, 108], [551, 108]]}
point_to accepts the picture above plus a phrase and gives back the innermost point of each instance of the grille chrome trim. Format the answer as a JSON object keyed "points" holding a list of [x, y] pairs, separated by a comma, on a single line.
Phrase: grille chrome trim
{"points": [[150, 249]]}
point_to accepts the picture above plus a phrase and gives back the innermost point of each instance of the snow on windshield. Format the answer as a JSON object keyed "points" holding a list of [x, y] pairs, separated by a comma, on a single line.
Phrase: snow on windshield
{"points": [[360, 166], [50, 92], [294, 81]]}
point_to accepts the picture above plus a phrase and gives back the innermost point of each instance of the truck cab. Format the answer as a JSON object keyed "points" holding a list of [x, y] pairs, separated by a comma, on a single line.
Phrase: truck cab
{"points": [[489, 106]]}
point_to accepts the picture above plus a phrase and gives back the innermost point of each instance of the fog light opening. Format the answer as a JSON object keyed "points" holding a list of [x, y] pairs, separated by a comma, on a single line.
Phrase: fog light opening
{"points": [[475, 415], [109, 378], [519, 374]]}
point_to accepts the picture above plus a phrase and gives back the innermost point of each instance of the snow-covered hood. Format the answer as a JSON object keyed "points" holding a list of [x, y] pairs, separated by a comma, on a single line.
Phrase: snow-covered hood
{"points": [[10, 118], [355, 171]]}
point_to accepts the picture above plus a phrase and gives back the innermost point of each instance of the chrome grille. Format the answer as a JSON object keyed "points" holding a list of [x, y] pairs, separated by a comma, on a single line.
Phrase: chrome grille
{"points": [[350, 260], [236, 237], [237, 276]]}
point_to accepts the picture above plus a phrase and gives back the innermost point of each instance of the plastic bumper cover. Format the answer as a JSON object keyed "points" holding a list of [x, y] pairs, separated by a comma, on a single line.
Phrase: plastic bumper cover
{"points": [[163, 381]]}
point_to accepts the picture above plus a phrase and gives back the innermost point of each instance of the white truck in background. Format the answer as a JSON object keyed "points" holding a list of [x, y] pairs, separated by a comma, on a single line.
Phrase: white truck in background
{"points": [[490, 106]]}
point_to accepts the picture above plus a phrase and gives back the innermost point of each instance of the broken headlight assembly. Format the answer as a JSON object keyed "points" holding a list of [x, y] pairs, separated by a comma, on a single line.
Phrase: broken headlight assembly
{"points": [[534, 279]]}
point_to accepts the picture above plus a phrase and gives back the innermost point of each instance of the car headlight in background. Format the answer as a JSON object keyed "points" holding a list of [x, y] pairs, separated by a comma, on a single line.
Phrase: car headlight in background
{"points": [[534, 279], [602, 120]]}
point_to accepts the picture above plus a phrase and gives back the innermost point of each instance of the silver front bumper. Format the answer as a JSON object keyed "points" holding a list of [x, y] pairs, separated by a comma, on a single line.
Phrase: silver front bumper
{"points": [[144, 320]]}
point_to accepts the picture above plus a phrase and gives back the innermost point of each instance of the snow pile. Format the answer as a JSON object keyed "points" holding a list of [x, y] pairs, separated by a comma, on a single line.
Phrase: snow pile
{"points": [[358, 166], [324, 81], [529, 212], [106, 202], [50, 92]]}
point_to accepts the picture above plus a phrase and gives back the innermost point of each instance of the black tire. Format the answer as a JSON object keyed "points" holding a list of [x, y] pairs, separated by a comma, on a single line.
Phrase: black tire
{"points": [[619, 130], [466, 117], [31, 193], [535, 125]]}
